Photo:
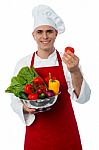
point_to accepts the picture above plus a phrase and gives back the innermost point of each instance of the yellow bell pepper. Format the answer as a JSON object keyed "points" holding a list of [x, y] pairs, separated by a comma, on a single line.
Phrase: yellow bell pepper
{"points": [[54, 85]]}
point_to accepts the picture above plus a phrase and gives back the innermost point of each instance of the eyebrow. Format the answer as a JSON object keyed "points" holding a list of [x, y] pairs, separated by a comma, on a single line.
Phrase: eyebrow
{"points": [[40, 30]]}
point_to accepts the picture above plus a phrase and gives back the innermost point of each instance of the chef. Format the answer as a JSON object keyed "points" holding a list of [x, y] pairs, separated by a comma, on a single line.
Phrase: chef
{"points": [[57, 128]]}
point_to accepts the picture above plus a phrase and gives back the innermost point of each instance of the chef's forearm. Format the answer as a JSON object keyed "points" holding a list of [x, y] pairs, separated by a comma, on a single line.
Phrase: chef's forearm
{"points": [[77, 79]]}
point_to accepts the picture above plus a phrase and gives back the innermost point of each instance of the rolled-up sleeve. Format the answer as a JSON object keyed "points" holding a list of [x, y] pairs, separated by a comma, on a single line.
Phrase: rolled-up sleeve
{"points": [[85, 91], [84, 95]]}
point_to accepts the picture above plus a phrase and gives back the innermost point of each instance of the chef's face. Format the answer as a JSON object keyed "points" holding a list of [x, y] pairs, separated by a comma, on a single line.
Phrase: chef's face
{"points": [[45, 37]]}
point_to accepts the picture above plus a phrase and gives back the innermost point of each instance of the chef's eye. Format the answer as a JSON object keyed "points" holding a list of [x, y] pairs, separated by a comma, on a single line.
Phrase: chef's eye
{"points": [[49, 31], [39, 31]]}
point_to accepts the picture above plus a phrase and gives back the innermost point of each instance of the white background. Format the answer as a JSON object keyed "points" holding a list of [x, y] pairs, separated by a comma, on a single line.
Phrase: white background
{"points": [[82, 32]]}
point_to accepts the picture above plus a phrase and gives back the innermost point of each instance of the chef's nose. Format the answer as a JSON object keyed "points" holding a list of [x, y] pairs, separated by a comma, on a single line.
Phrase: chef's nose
{"points": [[45, 36]]}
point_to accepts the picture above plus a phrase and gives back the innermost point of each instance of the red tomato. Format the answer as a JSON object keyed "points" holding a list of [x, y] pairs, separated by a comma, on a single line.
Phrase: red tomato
{"points": [[69, 49], [39, 91], [28, 88], [42, 87], [33, 96], [37, 80]]}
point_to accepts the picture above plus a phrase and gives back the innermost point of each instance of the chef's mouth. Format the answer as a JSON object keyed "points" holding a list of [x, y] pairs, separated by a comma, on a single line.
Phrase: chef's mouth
{"points": [[45, 42]]}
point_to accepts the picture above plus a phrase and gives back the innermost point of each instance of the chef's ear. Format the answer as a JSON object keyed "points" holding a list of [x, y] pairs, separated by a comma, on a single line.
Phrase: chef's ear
{"points": [[33, 35], [56, 32]]}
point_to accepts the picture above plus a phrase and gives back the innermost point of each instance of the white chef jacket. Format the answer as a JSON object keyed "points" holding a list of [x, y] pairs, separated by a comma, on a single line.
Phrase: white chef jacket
{"points": [[17, 105]]}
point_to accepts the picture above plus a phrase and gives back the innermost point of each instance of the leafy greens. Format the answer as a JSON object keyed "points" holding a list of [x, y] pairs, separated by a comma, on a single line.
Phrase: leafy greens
{"points": [[25, 76]]}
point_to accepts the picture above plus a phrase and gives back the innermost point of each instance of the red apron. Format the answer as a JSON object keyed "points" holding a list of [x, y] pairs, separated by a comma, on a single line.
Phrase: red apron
{"points": [[55, 129]]}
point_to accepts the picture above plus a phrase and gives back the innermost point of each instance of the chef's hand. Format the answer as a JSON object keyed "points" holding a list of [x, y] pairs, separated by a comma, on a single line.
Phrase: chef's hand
{"points": [[71, 60], [27, 110]]}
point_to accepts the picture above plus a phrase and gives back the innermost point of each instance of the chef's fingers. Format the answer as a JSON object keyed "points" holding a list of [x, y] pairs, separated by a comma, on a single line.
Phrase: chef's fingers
{"points": [[28, 110], [70, 54], [70, 58]]}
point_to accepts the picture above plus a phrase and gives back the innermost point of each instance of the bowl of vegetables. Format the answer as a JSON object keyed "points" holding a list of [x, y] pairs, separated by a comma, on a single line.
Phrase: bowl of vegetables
{"points": [[40, 103], [32, 89]]}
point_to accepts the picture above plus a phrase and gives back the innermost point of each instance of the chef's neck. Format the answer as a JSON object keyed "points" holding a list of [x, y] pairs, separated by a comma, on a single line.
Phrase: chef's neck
{"points": [[44, 54]]}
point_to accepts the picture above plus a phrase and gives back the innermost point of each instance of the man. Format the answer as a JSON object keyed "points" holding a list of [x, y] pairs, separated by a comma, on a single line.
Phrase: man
{"points": [[55, 129]]}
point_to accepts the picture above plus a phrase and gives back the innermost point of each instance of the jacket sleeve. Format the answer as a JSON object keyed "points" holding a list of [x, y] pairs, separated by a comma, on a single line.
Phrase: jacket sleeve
{"points": [[16, 104], [85, 91], [17, 107]]}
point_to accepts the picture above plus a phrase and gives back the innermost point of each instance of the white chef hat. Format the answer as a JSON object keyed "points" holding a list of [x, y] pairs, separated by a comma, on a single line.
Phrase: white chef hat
{"points": [[44, 15]]}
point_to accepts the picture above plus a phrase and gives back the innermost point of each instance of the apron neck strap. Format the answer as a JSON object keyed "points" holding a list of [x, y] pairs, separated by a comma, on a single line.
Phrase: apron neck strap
{"points": [[32, 60]]}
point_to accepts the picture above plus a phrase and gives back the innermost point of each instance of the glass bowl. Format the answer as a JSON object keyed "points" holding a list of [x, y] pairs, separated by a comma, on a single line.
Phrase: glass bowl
{"points": [[41, 103]]}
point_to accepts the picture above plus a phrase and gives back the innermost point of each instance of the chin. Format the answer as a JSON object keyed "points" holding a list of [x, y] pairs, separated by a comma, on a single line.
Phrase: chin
{"points": [[46, 48]]}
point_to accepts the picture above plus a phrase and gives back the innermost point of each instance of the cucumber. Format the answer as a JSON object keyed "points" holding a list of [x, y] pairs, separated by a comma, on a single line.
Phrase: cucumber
{"points": [[23, 95]]}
